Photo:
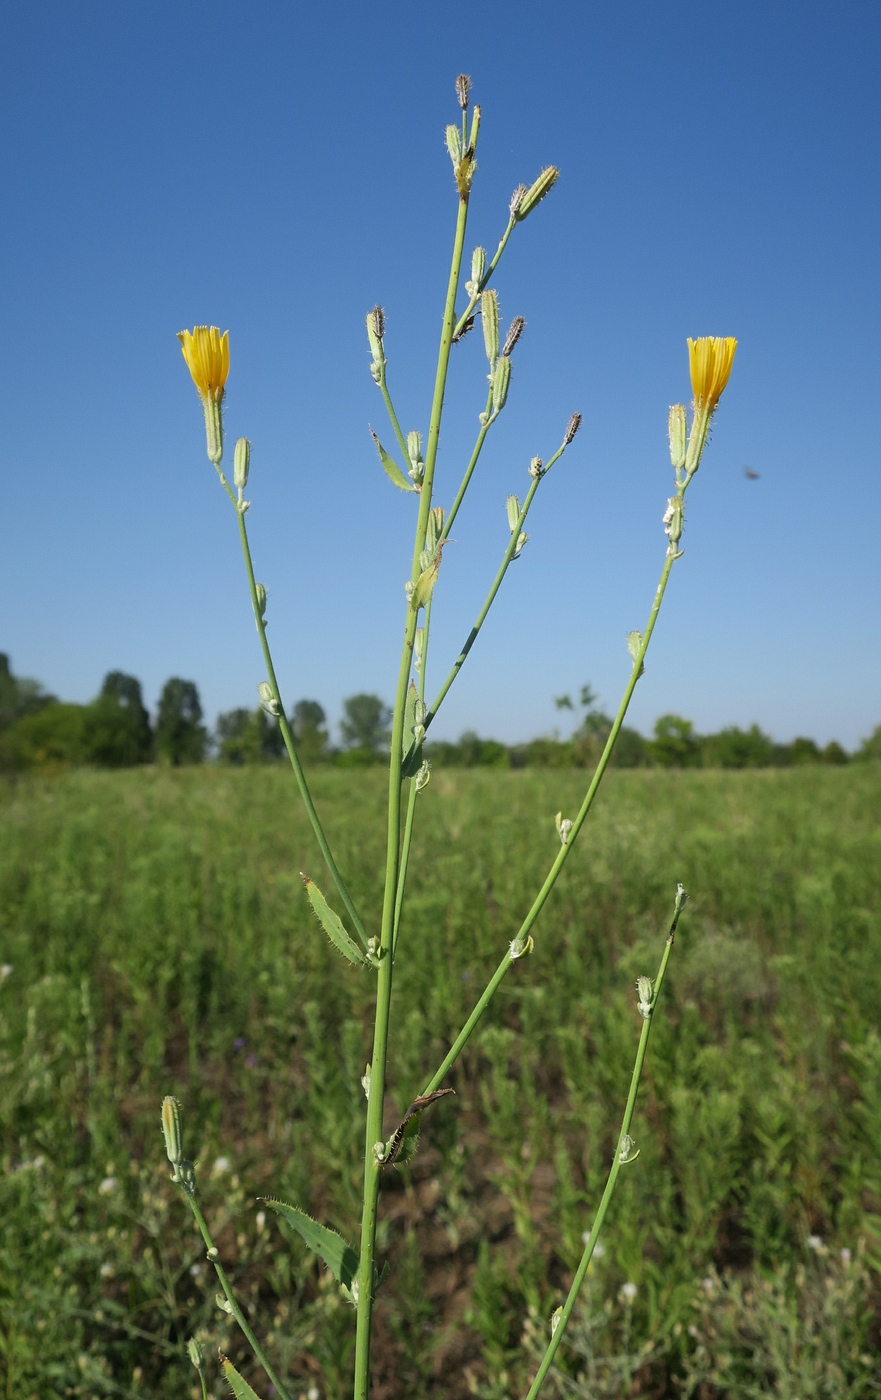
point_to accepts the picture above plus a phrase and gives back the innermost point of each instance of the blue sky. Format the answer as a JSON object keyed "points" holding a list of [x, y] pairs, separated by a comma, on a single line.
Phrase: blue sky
{"points": [[276, 169]]}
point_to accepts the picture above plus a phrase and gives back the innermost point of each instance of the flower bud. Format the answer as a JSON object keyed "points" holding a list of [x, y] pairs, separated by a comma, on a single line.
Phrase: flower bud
{"points": [[512, 505], [418, 647], [628, 1151], [501, 378], [416, 469], [536, 468], [515, 330], [571, 428], [423, 777], [489, 315], [241, 463], [196, 1355], [463, 90], [536, 192], [644, 993], [673, 519], [454, 144], [261, 599], [478, 268], [268, 701], [677, 432], [375, 333], [564, 826], [517, 199], [171, 1130]]}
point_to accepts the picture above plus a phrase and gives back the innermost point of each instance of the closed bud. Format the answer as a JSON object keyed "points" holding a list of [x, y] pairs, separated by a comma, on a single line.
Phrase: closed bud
{"points": [[628, 1150], [223, 1303], [196, 1355], [512, 505], [515, 330], [673, 520], [564, 826], [375, 333], [268, 701], [644, 996], [463, 90], [489, 315], [536, 192], [536, 468], [571, 428], [677, 431], [418, 647], [501, 378], [423, 777], [241, 463], [478, 268], [171, 1130], [261, 599], [454, 144], [522, 539], [416, 469]]}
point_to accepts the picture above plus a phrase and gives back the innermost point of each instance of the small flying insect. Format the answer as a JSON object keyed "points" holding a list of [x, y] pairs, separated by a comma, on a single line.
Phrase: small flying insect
{"points": [[750, 474]]}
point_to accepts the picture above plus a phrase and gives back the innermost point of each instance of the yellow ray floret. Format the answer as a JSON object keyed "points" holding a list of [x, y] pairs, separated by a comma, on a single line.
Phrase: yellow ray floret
{"points": [[206, 352], [710, 359]]}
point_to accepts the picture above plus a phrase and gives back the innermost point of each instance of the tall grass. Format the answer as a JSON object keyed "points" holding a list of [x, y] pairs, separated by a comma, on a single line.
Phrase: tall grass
{"points": [[158, 941]]}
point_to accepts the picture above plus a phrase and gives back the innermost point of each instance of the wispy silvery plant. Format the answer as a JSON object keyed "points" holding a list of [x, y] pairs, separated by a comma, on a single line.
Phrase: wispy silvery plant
{"points": [[372, 952]]}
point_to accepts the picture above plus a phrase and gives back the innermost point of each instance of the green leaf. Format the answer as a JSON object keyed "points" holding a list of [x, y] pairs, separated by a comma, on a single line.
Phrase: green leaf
{"points": [[339, 1257], [391, 468], [409, 717], [240, 1388], [412, 761], [424, 585], [332, 925]]}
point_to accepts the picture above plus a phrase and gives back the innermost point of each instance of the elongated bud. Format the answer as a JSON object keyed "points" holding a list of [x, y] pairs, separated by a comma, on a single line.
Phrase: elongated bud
{"points": [[171, 1130], [268, 701], [261, 598], [536, 192], [454, 144], [512, 505], [416, 469], [572, 428], [196, 1355], [375, 333], [423, 777], [677, 432], [536, 468], [673, 520], [418, 647], [501, 378], [515, 330], [489, 315], [478, 268], [241, 463], [463, 90], [564, 826], [644, 996]]}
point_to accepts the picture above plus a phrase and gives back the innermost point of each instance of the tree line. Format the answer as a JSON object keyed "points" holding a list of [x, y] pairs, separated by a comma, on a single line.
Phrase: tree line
{"points": [[115, 730]]}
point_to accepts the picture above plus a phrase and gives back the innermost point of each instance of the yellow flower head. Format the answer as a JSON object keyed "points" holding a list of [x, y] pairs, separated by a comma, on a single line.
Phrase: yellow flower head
{"points": [[710, 359], [206, 352]]}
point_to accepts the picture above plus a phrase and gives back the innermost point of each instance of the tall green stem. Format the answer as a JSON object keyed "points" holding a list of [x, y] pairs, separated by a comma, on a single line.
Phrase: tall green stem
{"points": [[620, 1159], [286, 730], [376, 1096], [550, 880]]}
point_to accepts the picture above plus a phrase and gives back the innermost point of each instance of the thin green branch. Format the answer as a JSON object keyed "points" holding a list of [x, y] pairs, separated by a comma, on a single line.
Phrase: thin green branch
{"points": [[621, 1157], [235, 1310], [390, 410], [285, 728], [484, 281], [550, 880], [469, 470], [376, 1094], [411, 796]]}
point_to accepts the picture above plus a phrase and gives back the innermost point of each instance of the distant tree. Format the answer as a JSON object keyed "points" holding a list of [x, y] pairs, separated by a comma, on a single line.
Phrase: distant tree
{"points": [[18, 696], [738, 748], [365, 723], [871, 747], [834, 754], [248, 736], [308, 727], [801, 751], [675, 744], [53, 737], [117, 727], [180, 735], [631, 749]]}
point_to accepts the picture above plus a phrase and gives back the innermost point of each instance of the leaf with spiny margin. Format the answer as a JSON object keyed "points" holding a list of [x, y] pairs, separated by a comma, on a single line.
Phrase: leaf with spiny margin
{"points": [[332, 925], [412, 761], [339, 1257], [391, 468], [240, 1388], [424, 585]]}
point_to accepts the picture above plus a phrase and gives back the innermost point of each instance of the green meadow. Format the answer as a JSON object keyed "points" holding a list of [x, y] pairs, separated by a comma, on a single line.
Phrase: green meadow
{"points": [[155, 938]]}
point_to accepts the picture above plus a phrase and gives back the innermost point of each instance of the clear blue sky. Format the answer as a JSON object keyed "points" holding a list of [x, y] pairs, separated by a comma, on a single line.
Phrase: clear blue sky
{"points": [[276, 168]]}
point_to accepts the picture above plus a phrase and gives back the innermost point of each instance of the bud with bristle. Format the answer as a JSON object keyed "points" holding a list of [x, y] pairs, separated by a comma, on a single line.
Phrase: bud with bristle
{"points": [[536, 468], [644, 992], [463, 90], [515, 330], [512, 505], [454, 144], [678, 435], [241, 463], [478, 268], [536, 192], [572, 428], [196, 1355], [489, 315], [171, 1130], [517, 199], [375, 333], [501, 378]]}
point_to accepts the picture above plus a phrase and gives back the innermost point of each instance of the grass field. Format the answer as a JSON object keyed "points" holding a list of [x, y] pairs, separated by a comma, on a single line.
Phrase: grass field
{"points": [[155, 938]]}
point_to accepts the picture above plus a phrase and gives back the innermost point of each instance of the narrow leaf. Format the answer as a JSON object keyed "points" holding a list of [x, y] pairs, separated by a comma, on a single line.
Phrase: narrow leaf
{"points": [[403, 1142], [332, 925], [412, 761], [240, 1388], [410, 717], [339, 1257], [391, 468], [424, 585]]}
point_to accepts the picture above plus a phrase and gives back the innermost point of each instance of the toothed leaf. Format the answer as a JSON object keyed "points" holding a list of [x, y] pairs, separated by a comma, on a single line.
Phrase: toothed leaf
{"points": [[339, 1257], [240, 1388], [391, 468], [332, 925]]}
